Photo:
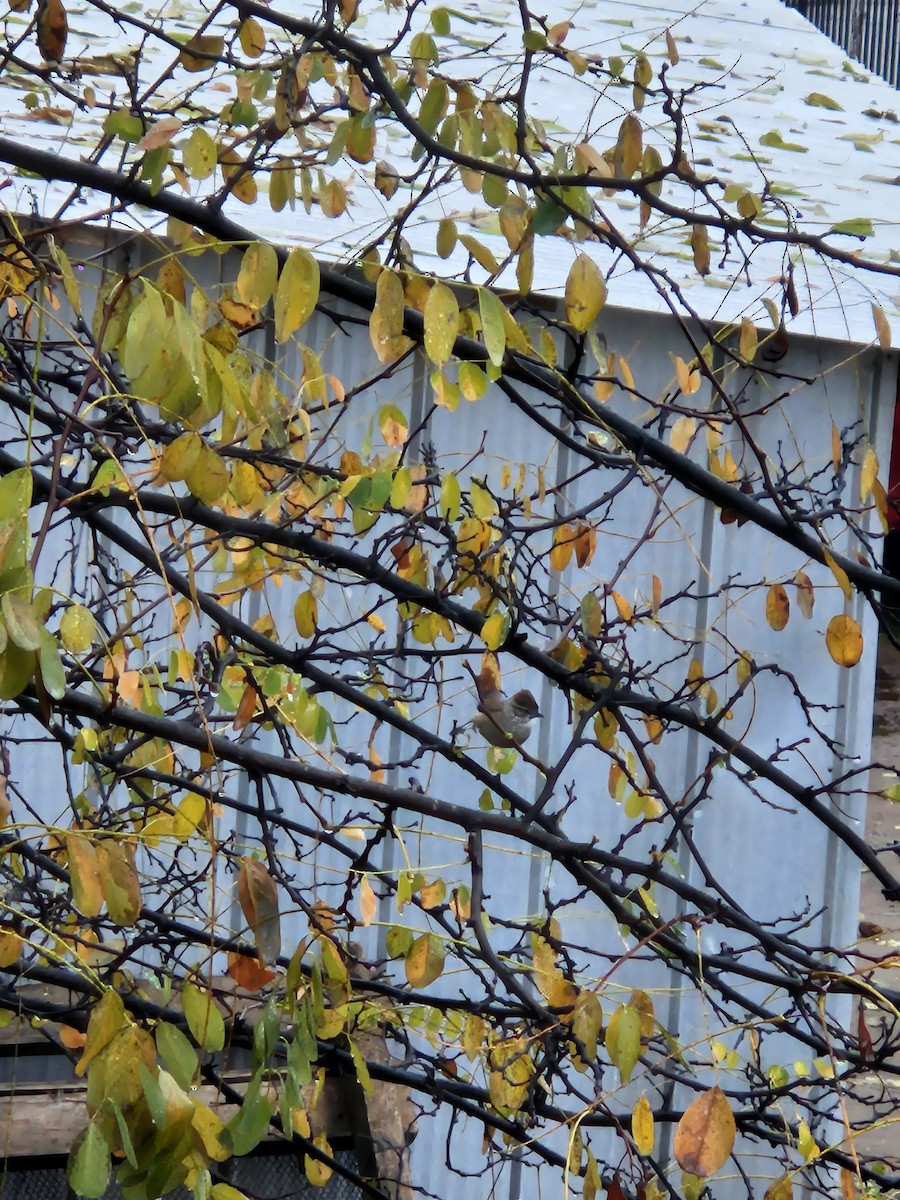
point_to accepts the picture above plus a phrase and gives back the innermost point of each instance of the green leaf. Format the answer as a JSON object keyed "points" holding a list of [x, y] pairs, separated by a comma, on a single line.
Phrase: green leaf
{"points": [[50, 666], [88, 1168], [820, 100], [199, 154], [773, 138], [493, 328], [22, 625], [623, 1040], [178, 1055], [122, 124], [203, 1018], [855, 227], [450, 499], [77, 629]]}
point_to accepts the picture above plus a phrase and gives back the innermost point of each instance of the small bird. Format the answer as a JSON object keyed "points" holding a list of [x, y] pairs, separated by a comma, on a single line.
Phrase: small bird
{"points": [[506, 722]]}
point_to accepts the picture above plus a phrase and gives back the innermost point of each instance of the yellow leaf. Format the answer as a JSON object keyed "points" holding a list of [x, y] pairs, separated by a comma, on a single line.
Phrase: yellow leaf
{"points": [[493, 327], [77, 629], [441, 323], [495, 630], [806, 1143], [585, 293], [844, 640], [682, 434], [868, 474], [629, 147], [121, 887], [84, 873], [10, 947], [671, 48], [642, 1126], [296, 294], [836, 447], [705, 1134], [700, 249], [306, 614], [424, 961], [781, 1189], [623, 607], [655, 729], [882, 327], [778, 607], [317, 1172], [749, 340], [258, 275], [367, 901], [393, 425], [563, 547], [840, 575], [252, 37], [689, 377]]}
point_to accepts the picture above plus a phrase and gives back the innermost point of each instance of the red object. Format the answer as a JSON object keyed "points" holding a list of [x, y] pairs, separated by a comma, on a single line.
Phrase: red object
{"points": [[894, 475]]}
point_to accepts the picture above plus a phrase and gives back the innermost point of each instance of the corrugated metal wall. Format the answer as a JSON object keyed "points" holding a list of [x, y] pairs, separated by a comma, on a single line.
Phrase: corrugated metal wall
{"points": [[775, 861], [869, 30]]}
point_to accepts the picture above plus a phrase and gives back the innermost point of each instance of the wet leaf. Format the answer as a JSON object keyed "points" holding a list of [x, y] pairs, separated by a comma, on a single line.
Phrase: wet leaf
{"points": [[493, 328], [297, 293], [121, 887], [441, 323], [642, 1126], [258, 275], [623, 1040], [585, 293], [705, 1134]]}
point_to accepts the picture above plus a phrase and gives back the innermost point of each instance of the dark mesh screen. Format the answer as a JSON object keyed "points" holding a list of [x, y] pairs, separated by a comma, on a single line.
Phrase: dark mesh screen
{"points": [[262, 1177]]}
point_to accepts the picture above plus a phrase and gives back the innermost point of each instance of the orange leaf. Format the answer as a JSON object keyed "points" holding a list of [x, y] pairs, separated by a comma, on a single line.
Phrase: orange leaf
{"points": [[705, 1134], [249, 973], [246, 708]]}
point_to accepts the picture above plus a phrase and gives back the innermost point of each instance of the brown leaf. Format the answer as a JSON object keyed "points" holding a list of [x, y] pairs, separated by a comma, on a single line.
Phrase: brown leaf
{"points": [[705, 1134], [52, 30], [258, 897], [806, 596]]}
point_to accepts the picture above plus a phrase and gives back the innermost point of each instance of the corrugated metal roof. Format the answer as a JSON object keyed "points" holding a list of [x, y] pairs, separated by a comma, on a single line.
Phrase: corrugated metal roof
{"points": [[769, 100]]}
